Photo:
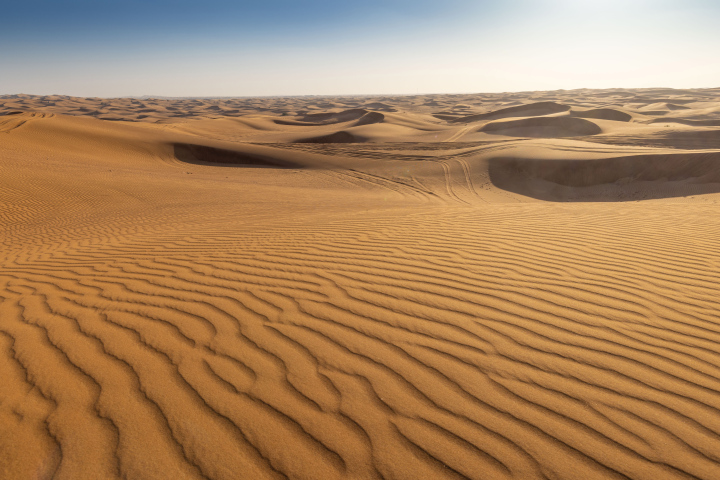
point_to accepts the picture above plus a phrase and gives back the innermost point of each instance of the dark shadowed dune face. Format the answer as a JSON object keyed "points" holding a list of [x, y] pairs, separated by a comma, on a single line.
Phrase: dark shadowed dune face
{"points": [[297, 123], [543, 127], [677, 140], [604, 114], [337, 137], [674, 174], [201, 154], [383, 107], [695, 139], [672, 106], [689, 122], [330, 118], [445, 116], [370, 118], [363, 117]]}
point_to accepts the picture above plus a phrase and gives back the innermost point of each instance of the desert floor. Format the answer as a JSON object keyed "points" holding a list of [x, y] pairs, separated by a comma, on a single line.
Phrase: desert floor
{"points": [[484, 286]]}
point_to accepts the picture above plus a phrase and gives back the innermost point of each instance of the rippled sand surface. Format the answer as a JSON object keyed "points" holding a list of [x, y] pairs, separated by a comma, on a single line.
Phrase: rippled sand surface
{"points": [[492, 286]]}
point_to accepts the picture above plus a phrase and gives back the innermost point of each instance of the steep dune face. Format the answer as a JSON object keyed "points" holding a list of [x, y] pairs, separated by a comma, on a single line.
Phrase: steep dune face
{"points": [[337, 137], [695, 139], [199, 296], [204, 154], [694, 123], [543, 127], [669, 174], [320, 119], [603, 114], [370, 132], [380, 106], [370, 118]]}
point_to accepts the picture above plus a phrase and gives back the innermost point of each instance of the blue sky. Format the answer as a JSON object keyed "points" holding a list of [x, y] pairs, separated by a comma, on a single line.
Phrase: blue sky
{"points": [[322, 47]]}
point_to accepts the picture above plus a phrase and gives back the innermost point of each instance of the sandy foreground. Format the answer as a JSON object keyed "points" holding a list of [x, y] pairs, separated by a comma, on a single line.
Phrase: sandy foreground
{"points": [[491, 286]]}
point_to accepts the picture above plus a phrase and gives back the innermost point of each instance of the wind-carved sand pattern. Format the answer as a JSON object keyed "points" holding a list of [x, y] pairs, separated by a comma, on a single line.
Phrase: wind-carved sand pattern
{"points": [[217, 298]]}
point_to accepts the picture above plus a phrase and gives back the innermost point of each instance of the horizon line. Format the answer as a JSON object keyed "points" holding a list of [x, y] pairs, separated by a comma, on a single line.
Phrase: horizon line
{"points": [[218, 97]]}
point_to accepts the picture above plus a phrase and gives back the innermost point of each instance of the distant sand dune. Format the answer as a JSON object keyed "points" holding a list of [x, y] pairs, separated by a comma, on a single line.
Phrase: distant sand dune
{"points": [[337, 137], [694, 123], [203, 154], [604, 114], [332, 118], [318, 119], [550, 127], [674, 174], [532, 109], [370, 118]]}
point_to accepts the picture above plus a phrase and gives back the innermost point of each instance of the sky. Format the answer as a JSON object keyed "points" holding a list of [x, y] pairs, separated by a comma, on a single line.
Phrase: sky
{"points": [[113, 48]]}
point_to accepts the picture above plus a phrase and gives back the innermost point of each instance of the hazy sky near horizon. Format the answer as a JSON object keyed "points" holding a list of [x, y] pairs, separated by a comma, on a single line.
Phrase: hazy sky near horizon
{"points": [[322, 47]]}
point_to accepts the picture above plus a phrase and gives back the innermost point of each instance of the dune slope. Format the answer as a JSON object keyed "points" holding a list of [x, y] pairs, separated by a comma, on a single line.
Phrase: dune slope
{"points": [[206, 297]]}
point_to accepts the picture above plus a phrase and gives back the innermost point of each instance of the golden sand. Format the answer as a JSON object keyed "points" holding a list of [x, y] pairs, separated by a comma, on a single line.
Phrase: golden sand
{"points": [[492, 286]]}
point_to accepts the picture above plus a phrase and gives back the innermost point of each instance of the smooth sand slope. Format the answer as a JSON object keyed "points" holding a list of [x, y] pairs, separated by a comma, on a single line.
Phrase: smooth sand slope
{"points": [[500, 286]]}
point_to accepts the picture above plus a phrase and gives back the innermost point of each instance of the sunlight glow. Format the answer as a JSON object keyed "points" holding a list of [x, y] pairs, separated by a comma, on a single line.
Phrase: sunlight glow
{"points": [[389, 47]]}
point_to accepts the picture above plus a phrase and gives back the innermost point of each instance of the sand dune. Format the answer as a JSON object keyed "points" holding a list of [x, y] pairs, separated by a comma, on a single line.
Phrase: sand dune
{"points": [[695, 123], [203, 154], [603, 114], [523, 110], [337, 137], [543, 127], [201, 288], [610, 179], [318, 119]]}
